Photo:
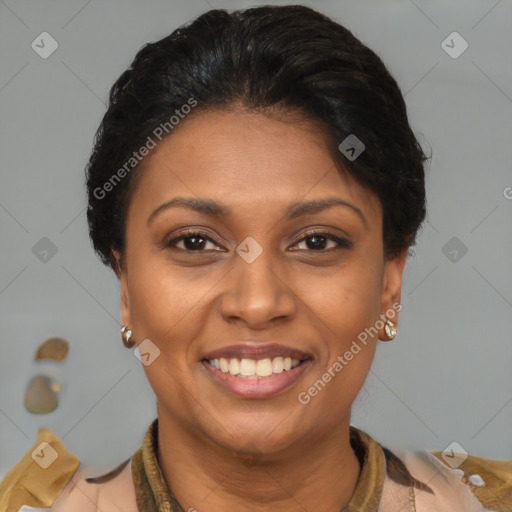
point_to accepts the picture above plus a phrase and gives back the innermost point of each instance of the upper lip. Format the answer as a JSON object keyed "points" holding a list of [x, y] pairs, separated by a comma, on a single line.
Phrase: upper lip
{"points": [[257, 351]]}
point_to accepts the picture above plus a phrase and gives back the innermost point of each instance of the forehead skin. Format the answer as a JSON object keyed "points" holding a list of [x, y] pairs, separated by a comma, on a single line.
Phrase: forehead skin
{"points": [[255, 163]]}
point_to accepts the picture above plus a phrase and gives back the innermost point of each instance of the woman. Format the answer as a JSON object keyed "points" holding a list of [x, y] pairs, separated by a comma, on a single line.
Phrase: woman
{"points": [[255, 186]]}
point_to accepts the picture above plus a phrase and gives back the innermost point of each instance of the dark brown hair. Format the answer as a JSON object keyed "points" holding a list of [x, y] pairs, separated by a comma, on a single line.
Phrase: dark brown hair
{"points": [[290, 58]]}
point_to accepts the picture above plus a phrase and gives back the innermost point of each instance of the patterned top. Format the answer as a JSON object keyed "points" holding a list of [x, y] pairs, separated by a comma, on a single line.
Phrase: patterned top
{"points": [[49, 476], [154, 495]]}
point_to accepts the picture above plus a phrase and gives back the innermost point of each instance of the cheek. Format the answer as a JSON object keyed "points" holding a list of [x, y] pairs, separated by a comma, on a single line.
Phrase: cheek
{"points": [[167, 308], [347, 301], [348, 305], [164, 303], [347, 308], [154, 302]]}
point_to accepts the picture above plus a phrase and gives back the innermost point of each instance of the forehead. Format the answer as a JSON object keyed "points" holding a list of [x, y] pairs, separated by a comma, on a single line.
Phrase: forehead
{"points": [[245, 158]]}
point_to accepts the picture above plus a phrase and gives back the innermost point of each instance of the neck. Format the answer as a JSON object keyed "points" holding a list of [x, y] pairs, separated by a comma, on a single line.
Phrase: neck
{"points": [[319, 475]]}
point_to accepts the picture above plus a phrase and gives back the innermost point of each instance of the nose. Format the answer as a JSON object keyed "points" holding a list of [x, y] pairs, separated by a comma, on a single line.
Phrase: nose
{"points": [[257, 293]]}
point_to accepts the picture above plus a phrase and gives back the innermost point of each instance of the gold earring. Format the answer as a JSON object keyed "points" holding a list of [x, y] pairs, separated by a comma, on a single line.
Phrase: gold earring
{"points": [[389, 329], [126, 334]]}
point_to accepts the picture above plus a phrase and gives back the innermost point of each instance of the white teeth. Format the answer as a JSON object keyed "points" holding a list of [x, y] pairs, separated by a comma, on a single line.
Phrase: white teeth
{"points": [[234, 366], [222, 363], [264, 367], [247, 368], [277, 365]]}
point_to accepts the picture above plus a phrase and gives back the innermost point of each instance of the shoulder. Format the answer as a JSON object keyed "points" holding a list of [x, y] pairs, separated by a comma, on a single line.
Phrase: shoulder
{"points": [[461, 481], [48, 475], [490, 480]]}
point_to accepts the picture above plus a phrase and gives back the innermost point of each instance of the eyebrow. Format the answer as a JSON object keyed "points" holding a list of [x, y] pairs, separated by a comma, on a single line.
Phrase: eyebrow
{"points": [[215, 209]]}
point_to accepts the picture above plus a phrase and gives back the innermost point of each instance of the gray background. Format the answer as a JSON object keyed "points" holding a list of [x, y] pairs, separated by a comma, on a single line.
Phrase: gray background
{"points": [[447, 376]]}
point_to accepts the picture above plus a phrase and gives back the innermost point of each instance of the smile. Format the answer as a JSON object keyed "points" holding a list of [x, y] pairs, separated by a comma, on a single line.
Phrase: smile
{"points": [[253, 368], [251, 378]]}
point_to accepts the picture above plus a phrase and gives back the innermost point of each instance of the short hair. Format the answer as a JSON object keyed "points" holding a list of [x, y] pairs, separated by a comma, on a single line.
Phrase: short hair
{"points": [[287, 58]]}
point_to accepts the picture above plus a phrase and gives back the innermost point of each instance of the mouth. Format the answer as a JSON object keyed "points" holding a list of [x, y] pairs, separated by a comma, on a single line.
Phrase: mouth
{"points": [[255, 368], [250, 371]]}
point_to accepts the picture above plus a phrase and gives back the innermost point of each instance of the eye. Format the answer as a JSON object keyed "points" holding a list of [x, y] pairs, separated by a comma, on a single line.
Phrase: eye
{"points": [[193, 241], [319, 241]]}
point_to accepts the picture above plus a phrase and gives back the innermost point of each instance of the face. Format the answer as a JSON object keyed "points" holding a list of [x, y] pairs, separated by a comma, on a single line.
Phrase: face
{"points": [[260, 262]]}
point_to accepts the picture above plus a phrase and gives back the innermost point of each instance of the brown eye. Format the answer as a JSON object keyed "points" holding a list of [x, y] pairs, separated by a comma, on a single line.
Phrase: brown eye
{"points": [[319, 240], [193, 241]]}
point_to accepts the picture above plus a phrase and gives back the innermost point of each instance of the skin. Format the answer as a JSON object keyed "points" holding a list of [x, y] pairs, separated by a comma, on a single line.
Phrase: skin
{"points": [[218, 451]]}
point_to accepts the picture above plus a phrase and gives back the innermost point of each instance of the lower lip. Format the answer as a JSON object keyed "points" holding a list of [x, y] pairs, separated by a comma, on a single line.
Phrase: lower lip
{"points": [[258, 388]]}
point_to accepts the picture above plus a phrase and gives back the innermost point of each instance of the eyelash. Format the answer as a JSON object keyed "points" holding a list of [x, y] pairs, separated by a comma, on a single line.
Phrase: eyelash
{"points": [[343, 243]]}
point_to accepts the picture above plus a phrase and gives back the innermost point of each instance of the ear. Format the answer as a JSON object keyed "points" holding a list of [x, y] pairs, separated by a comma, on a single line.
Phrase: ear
{"points": [[392, 284], [122, 274]]}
